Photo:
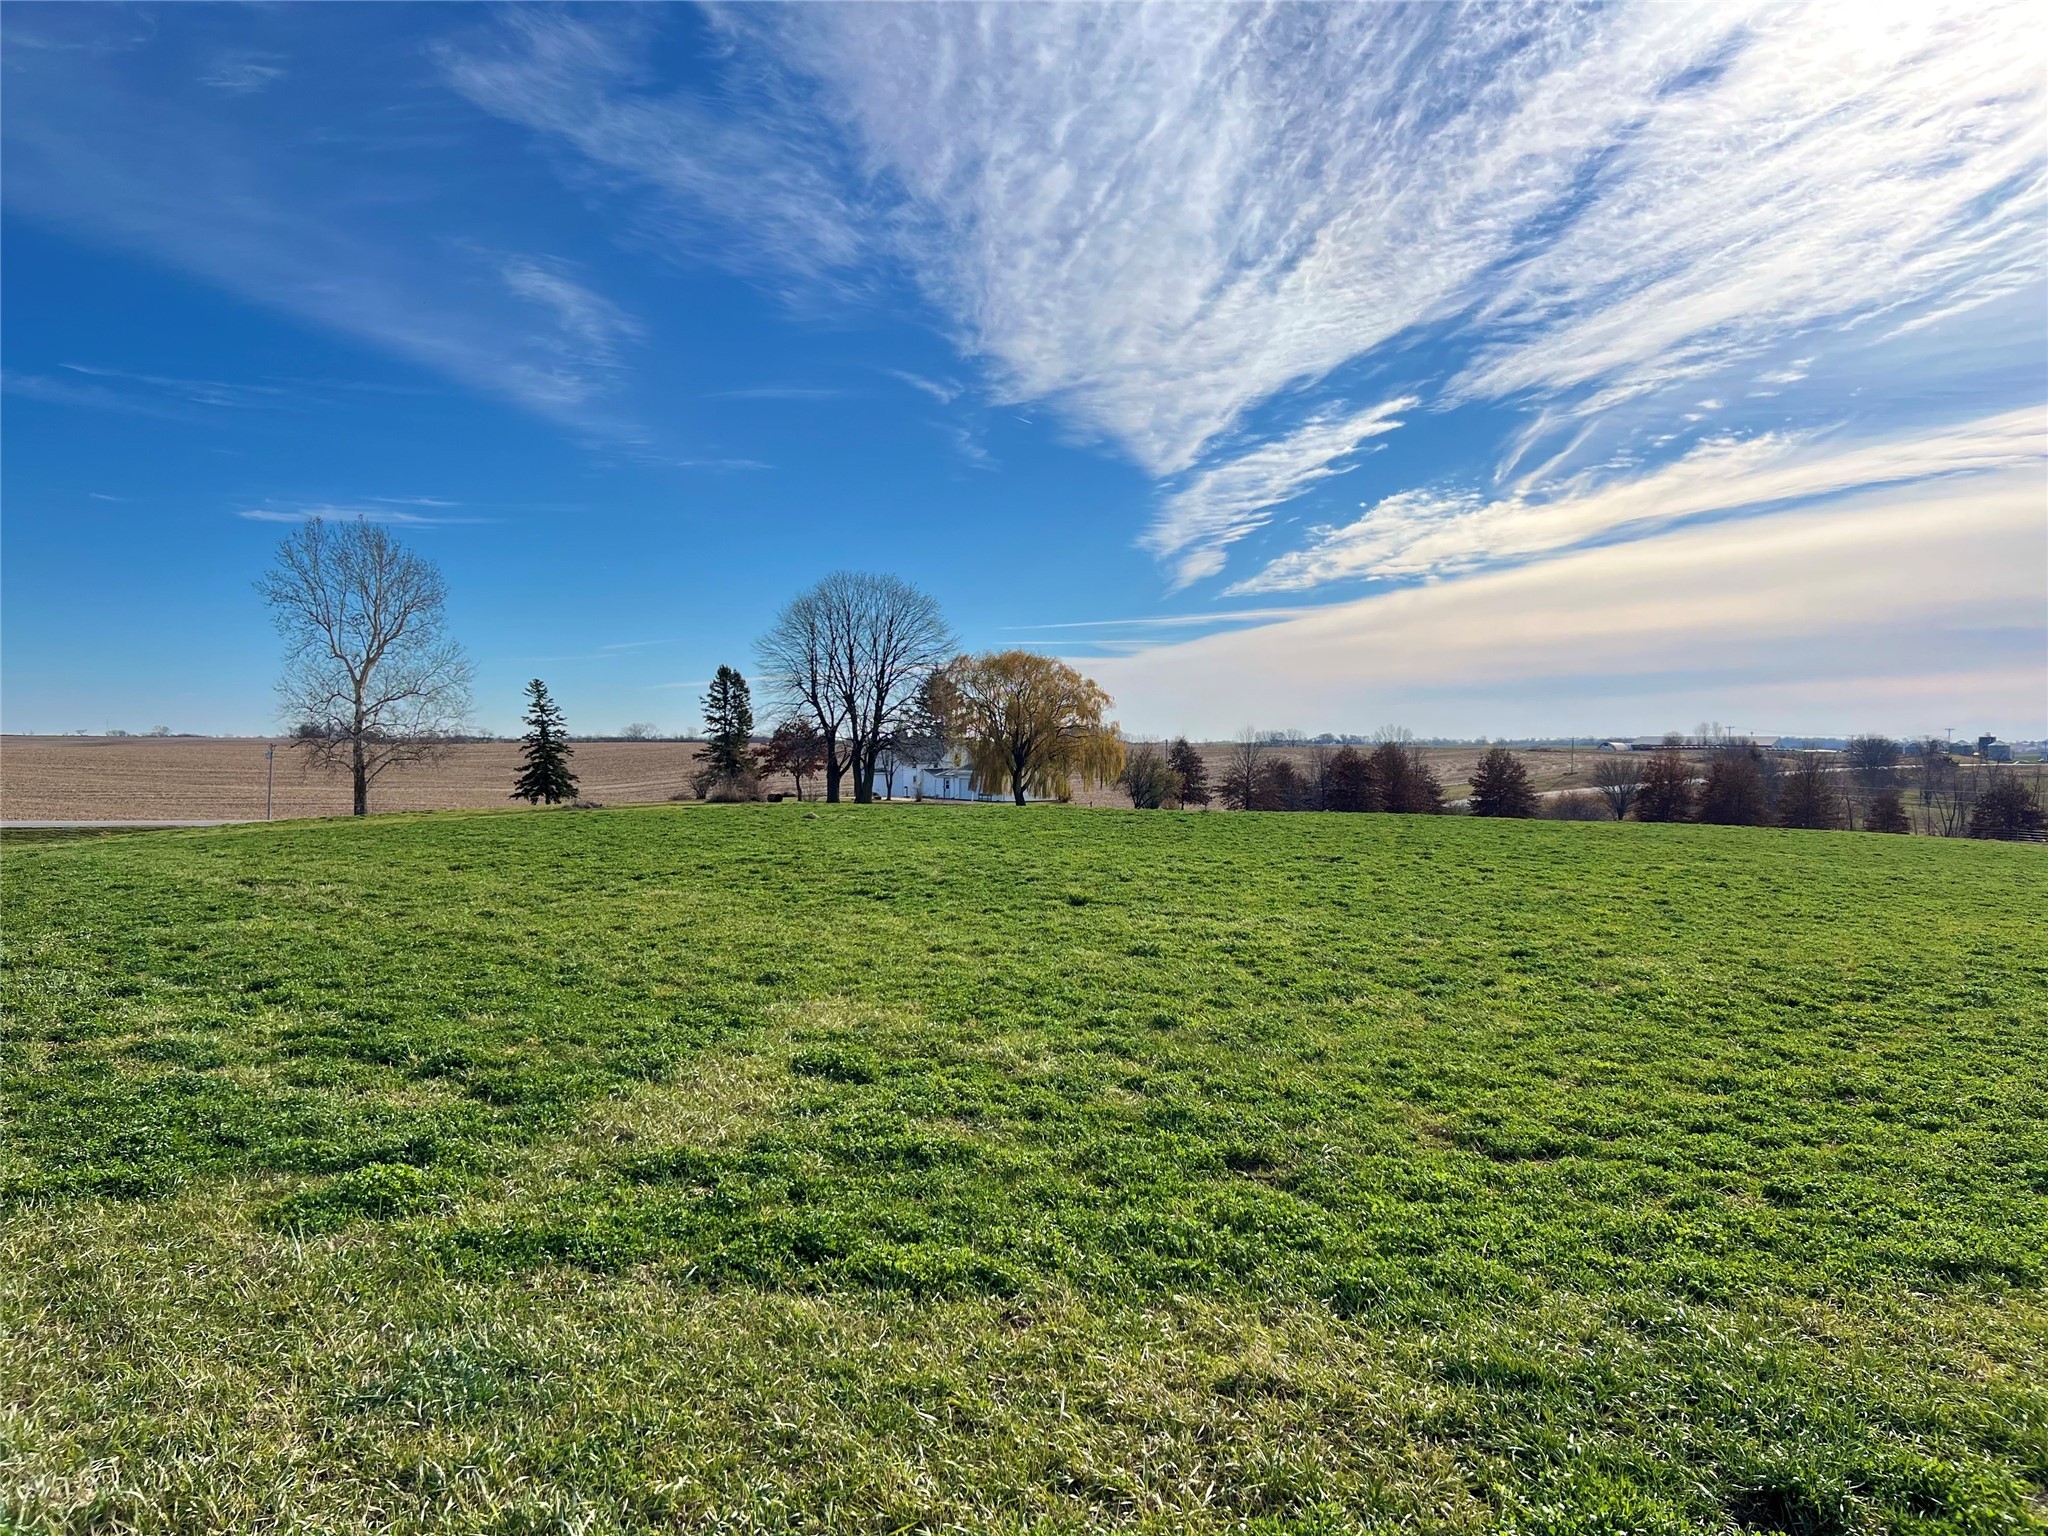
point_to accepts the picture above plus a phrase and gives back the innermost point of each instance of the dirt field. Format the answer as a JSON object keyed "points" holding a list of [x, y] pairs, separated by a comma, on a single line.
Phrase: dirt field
{"points": [[99, 778], [126, 778]]}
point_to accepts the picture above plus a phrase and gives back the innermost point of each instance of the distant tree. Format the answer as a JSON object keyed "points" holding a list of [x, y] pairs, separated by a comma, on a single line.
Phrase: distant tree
{"points": [[1148, 779], [2005, 808], [1349, 784], [1029, 724], [728, 725], [1666, 790], [1500, 786], [1810, 796], [1316, 755], [1239, 786], [1194, 773], [796, 749], [1280, 786], [371, 678], [159, 730], [1735, 794], [1885, 813], [852, 653], [1941, 797], [1873, 759], [639, 730], [544, 752], [1406, 782], [1619, 778]]}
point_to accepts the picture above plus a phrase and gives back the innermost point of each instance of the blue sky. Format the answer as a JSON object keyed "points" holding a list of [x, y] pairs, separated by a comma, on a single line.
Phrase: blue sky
{"points": [[1494, 371]]}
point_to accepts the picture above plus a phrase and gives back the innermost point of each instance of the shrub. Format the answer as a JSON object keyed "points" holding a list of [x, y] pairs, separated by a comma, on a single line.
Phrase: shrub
{"points": [[1579, 805], [2006, 809], [1148, 779]]}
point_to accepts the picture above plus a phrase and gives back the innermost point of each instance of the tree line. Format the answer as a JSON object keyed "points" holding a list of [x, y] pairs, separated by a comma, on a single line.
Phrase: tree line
{"points": [[863, 678]]}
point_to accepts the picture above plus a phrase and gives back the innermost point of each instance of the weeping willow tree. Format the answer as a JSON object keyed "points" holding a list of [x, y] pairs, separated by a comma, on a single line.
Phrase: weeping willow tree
{"points": [[1029, 725]]}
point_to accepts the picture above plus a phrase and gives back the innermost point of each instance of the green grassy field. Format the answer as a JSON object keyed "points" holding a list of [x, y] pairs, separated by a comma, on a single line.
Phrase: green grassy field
{"points": [[733, 1169]]}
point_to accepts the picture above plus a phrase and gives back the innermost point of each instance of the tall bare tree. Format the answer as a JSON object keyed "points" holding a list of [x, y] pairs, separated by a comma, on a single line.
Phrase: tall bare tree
{"points": [[1619, 778], [371, 678], [852, 654], [1239, 788]]}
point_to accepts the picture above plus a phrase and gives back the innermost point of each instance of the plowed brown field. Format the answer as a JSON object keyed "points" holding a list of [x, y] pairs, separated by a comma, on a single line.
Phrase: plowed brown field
{"points": [[131, 778]]}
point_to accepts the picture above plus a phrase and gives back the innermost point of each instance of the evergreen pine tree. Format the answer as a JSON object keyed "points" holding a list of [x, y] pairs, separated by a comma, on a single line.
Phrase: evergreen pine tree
{"points": [[1500, 786], [544, 751], [728, 726]]}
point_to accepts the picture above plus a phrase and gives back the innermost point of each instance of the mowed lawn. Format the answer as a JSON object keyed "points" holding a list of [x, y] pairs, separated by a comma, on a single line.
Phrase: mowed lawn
{"points": [[906, 1168]]}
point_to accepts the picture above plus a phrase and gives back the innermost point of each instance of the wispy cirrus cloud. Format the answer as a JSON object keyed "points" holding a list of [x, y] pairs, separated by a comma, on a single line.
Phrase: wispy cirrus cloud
{"points": [[1221, 504], [1165, 219], [1891, 610], [1437, 533], [337, 237], [242, 72], [391, 510]]}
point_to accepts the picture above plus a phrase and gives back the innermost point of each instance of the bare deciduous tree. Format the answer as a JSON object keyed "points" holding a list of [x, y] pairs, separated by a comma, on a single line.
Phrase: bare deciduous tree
{"points": [[1619, 778], [1239, 788], [852, 654], [371, 677]]}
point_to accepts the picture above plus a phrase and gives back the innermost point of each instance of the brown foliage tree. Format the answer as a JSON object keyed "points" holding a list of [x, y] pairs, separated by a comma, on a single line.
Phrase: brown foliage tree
{"points": [[1500, 786], [1666, 792], [796, 749], [1280, 786], [1734, 794], [1184, 760], [1406, 782], [1349, 782], [1810, 796]]}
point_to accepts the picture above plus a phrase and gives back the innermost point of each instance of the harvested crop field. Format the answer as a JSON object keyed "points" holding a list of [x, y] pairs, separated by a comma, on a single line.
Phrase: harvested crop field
{"points": [[198, 778], [751, 1169], [127, 778]]}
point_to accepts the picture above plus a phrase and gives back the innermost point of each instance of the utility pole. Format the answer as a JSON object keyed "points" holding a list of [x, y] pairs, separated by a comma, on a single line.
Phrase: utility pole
{"points": [[269, 774]]}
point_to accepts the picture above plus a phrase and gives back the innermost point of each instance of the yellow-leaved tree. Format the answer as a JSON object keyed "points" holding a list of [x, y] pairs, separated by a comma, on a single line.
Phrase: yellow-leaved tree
{"points": [[1028, 724]]}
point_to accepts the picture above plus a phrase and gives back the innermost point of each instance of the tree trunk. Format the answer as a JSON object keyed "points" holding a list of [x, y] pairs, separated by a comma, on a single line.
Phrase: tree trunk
{"points": [[863, 774], [833, 769], [360, 775]]}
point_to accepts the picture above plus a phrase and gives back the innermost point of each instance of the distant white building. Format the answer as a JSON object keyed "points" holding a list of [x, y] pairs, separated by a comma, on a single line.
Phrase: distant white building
{"points": [[947, 779]]}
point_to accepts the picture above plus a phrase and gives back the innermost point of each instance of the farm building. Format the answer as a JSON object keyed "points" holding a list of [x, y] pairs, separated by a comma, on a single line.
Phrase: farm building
{"points": [[946, 779]]}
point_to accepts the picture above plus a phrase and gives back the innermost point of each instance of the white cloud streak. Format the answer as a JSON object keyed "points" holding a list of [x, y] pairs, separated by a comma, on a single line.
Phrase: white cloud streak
{"points": [[1879, 612], [1430, 533], [95, 146], [1221, 504], [1160, 218]]}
